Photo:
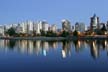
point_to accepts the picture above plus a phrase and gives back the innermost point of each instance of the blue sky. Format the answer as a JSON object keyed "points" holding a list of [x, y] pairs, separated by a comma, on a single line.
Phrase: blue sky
{"points": [[14, 11]]}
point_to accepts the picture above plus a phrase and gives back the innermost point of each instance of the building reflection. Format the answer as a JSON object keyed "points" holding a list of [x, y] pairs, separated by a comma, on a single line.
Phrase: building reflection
{"points": [[45, 47], [52, 44], [38, 47], [97, 46], [66, 46], [94, 49], [79, 45], [28, 46], [106, 46]]}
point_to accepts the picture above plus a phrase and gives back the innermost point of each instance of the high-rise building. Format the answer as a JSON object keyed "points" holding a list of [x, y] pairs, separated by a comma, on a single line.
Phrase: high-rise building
{"points": [[29, 27], [34, 26], [77, 26], [24, 27], [82, 27], [101, 25], [7, 27], [107, 25], [1, 30], [45, 26], [38, 27], [88, 28], [66, 25], [94, 23], [41, 25], [54, 28], [14, 26], [73, 28], [18, 29]]}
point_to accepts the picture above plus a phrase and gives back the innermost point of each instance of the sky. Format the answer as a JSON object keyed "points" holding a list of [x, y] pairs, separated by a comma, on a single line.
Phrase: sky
{"points": [[53, 11]]}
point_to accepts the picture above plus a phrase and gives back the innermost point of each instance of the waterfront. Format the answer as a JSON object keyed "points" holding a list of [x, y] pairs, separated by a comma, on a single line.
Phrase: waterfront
{"points": [[43, 38], [32, 55]]}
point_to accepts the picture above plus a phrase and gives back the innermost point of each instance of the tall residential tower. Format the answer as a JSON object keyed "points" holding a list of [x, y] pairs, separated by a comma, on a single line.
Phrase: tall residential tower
{"points": [[94, 23]]}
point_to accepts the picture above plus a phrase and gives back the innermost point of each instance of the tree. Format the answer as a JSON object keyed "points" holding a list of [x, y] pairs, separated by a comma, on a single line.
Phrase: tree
{"points": [[43, 33], [103, 29], [75, 33], [11, 44], [65, 34], [11, 31], [99, 32], [51, 34]]}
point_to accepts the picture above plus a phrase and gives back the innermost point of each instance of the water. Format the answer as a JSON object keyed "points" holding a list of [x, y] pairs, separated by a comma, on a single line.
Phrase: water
{"points": [[65, 56]]}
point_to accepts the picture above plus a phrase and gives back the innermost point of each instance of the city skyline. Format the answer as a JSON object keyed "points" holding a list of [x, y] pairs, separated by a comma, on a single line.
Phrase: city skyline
{"points": [[42, 27], [60, 22], [14, 11]]}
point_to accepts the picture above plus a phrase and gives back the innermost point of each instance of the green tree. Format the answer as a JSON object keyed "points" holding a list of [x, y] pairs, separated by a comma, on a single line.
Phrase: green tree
{"points": [[43, 33], [75, 33], [65, 34], [11, 44], [11, 31], [103, 29], [51, 34]]}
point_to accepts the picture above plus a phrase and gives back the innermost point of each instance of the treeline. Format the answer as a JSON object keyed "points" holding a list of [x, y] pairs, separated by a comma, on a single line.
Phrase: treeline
{"points": [[12, 32]]}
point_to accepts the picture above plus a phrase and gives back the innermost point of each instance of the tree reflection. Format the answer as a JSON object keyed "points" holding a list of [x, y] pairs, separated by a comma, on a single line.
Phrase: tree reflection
{"points": [[45, 47], [66, 46], [75, 43], [79, 45], [11, 44]]}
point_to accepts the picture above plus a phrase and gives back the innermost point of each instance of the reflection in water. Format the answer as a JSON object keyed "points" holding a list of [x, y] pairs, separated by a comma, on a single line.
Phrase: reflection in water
{"points": [[66, 46], [94, 49], [79, 45], [43, 47]]}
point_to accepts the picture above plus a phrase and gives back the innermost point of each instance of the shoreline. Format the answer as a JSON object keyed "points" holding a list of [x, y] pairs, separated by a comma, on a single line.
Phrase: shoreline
{"points": [[56, 38], [34, 38]]}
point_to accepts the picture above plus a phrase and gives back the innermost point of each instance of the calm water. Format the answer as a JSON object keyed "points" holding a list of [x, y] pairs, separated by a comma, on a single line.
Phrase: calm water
{"points": [[65, 56]]}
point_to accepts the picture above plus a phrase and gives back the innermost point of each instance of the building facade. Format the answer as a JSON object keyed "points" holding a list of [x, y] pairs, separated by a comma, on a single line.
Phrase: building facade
{"points": [[94, 23], [54, 28], [66, 25], [2, 30], [45, 26]]}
